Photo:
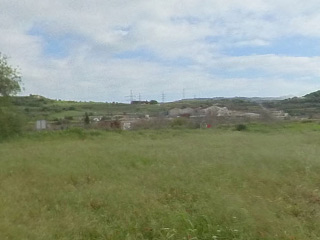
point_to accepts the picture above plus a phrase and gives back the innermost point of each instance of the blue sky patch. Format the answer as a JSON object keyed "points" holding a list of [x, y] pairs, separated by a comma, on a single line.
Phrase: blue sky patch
{"points": [[290, 46], [56, 46]]}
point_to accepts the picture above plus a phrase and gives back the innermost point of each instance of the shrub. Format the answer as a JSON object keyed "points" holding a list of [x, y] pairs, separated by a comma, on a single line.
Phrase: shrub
{"points": [[77, 132], [116, 124], [178, 122], [183, 122], [86, 119], [156, 123], [241, 127], [153, 102], [10, 124]]}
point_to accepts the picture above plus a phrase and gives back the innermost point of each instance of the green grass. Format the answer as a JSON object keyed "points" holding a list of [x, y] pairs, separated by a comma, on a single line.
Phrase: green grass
{"points": [[169, 184]]}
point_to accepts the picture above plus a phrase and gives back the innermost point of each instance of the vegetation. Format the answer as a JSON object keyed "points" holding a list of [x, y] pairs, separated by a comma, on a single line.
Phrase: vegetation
{"points": [[313, 95], [305, 107], [241, 127], [86, 119], [237, 180], [10, 78], [37, 107], [262, 183], [10, 120]]}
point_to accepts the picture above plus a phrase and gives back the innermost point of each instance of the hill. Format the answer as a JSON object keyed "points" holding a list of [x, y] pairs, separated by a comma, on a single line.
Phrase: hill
{"points": [[36, 107], [313, 95], [307, 106]]}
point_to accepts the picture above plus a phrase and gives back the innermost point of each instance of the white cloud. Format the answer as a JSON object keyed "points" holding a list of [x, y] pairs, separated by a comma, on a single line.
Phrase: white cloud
{"points": [[309, 66], [173, 32]]}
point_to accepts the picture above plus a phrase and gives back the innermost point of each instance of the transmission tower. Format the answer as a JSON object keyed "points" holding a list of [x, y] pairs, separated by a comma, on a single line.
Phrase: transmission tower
{"points": [[163, 97], [131, 96]]}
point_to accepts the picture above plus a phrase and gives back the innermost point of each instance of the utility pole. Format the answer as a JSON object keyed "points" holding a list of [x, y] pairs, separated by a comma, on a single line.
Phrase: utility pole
{"points": [[131, 96], [162, 97], [183, 93], [139, 97]]}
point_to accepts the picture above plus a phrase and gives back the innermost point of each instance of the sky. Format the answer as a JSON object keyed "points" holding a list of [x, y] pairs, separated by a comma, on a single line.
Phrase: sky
{"points": [[115, 50]]}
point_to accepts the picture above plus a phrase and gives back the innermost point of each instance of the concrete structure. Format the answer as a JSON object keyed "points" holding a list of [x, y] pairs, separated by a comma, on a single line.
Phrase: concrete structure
{"points": [[217, 111], [125, 125], [41, 124]]}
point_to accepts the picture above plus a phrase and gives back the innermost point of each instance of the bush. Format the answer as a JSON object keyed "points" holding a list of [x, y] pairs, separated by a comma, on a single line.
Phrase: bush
{"points": [[10, 124], [183, 122], [178, 122], [156, 123], [153, 102], [79, 132], [241, 127]]}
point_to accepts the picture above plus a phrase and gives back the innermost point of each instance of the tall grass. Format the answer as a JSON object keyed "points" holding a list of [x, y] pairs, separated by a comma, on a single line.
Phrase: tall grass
{"points": [[168, 184]]}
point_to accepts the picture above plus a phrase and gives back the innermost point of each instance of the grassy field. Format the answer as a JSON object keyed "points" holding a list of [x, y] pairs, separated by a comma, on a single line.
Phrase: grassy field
{"points": [[263, 183]]}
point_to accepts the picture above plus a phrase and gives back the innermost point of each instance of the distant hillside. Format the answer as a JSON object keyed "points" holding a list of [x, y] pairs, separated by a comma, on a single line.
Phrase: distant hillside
{"points": [[38, 107], [313, 95], [307, 106]]}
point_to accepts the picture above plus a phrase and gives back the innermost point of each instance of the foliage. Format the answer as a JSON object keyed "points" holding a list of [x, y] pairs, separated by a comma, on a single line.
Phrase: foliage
{"points": [[10, 121], [179, 122], [10, 78], [313, 95], [155, 123], [241, 127], [86, 119], [68, 117], [37, 107], [171, 184], [153, 102], [116, 124]]}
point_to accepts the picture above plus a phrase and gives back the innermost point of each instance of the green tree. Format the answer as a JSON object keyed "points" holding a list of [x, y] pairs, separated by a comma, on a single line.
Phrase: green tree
{"points": [[10, 78], [86, 119], [153, 102]]}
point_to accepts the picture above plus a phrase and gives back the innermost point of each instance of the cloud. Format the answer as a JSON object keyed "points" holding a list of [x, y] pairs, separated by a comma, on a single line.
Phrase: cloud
{"points": [[100, 50], [271, 64]]}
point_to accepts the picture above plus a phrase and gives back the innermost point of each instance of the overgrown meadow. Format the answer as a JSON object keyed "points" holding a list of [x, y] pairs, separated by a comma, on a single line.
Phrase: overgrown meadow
{"points": [[259, 183]]}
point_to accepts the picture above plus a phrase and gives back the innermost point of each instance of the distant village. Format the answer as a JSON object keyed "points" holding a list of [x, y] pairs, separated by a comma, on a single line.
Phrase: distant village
{"points": [[196, 117]]}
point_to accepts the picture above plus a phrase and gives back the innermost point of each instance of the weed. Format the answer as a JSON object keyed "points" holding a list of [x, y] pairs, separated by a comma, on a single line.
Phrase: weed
{"points": [[162, 184]]}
